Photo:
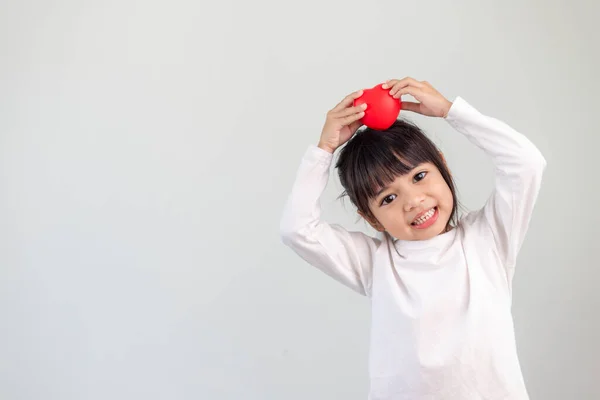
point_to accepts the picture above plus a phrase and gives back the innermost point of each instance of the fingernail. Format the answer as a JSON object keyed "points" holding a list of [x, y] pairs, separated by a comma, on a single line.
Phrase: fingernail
{"points": [[364, 105], [384, 86]]}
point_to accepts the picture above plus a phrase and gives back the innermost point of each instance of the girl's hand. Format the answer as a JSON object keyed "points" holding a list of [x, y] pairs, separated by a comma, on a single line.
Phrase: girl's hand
{"points": [[341, 123], [432, 103]]}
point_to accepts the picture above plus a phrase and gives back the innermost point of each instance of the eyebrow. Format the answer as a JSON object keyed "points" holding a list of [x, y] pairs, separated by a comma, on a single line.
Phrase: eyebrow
{"points": [[381, 191]]}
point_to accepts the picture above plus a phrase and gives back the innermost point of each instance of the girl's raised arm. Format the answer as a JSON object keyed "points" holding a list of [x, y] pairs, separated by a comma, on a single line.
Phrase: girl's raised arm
{"points": [[346, 256], [519, 166]]}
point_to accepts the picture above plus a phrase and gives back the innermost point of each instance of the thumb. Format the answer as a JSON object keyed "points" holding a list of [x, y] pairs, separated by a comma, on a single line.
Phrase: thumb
{"points": [[411, 106]]}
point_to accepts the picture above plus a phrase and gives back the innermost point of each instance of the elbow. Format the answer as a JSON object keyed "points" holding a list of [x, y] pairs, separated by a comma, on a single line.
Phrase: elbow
{"points": [[536, 163], [533, 168], [291, 238], [540, 162], [286, 228], [287, 232], [285, 236], [293, 234], [284, 233]]}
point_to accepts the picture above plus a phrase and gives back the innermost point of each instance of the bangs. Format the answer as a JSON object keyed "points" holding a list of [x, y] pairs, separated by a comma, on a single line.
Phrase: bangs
{"points": [[375, 167]]}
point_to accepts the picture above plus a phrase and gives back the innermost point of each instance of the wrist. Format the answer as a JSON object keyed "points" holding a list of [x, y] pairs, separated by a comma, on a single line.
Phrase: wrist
{"points": [[447, 109], [325, 147]]}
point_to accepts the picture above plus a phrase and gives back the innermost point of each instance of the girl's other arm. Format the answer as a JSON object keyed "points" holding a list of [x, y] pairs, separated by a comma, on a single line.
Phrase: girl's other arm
{"points": [[345, 256], [519, 166]]}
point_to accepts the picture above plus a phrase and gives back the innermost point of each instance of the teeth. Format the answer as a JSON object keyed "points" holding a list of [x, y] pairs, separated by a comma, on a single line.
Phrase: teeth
{"points": [[424, 217]]}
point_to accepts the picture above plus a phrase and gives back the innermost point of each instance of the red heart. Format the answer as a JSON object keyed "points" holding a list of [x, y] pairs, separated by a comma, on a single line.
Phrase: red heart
{"points": [[382, 109]]}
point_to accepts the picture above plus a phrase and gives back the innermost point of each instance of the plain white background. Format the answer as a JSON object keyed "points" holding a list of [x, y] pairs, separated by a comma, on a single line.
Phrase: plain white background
{"points": [[147, 149]]}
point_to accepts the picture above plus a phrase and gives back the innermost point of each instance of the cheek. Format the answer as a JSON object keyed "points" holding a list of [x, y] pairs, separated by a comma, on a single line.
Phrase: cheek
{"points": [[392, 215], [443, 194], [447, 197]]}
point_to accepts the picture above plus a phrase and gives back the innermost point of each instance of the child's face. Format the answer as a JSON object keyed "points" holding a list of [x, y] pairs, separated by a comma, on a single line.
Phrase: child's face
{"points": [[416, 206]]}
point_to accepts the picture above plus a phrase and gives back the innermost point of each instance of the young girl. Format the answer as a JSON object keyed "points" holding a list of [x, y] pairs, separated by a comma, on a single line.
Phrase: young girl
{"points": [[440, 286]]}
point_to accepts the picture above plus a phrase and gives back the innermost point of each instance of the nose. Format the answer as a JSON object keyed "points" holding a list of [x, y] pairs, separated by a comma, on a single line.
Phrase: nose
{"points": [[414, 200]]}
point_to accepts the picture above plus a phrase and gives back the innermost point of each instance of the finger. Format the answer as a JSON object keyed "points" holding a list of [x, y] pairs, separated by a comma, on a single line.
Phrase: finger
{"points": [[352, 118], [389, 83], [350, 110], [414, 92], [411, 81], [411, 106], [347, 100], [402, 82]]}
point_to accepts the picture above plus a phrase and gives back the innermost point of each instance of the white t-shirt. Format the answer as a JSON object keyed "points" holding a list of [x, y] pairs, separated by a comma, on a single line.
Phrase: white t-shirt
{"points": [[441, 324]]}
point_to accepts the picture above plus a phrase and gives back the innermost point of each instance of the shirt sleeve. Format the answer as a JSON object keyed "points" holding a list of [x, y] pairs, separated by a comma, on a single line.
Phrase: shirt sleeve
{"points": [[344, 255], [519, 166]]}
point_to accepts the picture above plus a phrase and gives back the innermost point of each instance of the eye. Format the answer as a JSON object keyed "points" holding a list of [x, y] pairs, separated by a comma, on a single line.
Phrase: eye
{"points": [[386, 199], [419, 176]]}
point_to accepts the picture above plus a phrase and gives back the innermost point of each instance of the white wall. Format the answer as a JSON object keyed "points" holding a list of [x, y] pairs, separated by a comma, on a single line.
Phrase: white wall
{"points": [[147, 149]]}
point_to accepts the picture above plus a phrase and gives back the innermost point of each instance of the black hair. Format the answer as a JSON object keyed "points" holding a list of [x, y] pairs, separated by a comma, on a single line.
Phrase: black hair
{"points": [[372, 159]]}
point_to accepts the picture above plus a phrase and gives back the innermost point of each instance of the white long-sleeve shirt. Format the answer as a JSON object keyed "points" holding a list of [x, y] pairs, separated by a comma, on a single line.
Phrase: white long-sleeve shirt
{"points": [[441, 322]]}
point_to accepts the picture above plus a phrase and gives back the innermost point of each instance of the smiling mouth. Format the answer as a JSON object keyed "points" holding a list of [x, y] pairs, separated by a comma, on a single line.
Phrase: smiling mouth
{"points": [[425, 218]]}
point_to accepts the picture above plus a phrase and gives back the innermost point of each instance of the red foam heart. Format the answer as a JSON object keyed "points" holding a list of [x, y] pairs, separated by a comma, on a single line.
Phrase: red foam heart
{"points": [[382, 109]]}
